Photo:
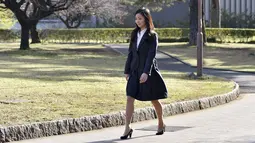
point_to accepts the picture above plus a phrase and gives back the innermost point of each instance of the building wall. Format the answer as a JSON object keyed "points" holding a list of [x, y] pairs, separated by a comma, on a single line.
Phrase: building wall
{"points": [[168, 17], [175, 16], [232, 6]]}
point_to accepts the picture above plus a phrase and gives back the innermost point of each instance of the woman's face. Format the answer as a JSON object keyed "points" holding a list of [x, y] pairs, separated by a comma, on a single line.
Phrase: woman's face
{"points": [[140, 21]]}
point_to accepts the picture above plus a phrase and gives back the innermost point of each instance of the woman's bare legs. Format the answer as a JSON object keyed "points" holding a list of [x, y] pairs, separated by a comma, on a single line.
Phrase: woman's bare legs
{"points": [[129, 113], [158, 107]]}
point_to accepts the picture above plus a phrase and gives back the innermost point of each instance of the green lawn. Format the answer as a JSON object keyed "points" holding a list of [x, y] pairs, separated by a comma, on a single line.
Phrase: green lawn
{"points": [[57, 81], [240, 57]]}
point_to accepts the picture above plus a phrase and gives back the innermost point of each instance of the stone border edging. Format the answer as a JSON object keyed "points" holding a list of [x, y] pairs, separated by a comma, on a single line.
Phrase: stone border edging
{"points": [[219, 69], [58, 127]]}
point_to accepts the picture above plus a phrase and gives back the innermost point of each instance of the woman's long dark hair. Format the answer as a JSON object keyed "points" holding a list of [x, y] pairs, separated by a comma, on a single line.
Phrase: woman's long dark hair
{"points": [[148, 21]]}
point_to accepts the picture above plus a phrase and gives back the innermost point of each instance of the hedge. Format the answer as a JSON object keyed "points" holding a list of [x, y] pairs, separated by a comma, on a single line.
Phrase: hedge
{"points": [[120, 35], [8, 35]]}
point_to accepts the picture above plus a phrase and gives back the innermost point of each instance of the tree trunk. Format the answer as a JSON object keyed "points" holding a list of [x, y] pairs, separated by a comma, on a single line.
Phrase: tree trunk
{"points": [[34, 34], [25, 27], [194, 23], [215, 14], [24, 38]]}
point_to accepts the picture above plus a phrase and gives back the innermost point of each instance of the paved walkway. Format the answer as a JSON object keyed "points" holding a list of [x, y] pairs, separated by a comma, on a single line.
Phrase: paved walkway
{"points": [[230, 123]]}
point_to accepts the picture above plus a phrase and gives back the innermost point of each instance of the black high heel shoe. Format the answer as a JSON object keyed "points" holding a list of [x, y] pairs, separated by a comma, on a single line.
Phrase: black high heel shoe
{"points": [[126, 136], [161, 131]]}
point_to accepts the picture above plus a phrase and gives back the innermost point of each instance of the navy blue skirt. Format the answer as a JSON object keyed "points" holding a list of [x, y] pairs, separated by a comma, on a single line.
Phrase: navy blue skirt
{"points": [[153, 89]]}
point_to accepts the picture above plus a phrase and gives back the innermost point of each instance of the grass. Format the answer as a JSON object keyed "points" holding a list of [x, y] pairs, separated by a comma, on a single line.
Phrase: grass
{"points": [[58, 81], [239, 57]]}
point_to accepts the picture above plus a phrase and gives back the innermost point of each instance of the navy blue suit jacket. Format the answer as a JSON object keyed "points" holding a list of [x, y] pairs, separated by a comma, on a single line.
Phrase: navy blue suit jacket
{"points": [[142, 60]]}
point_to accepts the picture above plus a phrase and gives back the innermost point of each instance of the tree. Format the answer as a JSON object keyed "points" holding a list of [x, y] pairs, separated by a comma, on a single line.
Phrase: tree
{"points": [[155, 5], [194, 23], [72, 17], [111, 11], [29, 12], [215, 14]]}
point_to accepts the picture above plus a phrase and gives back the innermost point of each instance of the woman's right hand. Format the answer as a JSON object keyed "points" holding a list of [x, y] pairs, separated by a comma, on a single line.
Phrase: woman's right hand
{"points": [[127, 76]]}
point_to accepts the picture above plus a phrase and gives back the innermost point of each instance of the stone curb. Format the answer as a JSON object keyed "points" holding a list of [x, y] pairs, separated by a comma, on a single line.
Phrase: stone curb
{"points": [[219, 69], [58, 127]]}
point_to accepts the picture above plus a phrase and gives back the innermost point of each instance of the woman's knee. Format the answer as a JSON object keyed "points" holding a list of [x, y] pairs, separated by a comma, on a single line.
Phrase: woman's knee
{"points": [[130, 99], [155, 102]]}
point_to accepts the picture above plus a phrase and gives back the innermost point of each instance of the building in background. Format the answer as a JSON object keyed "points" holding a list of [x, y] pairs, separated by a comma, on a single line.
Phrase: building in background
{"points": [[235, 13], [233, 6]]}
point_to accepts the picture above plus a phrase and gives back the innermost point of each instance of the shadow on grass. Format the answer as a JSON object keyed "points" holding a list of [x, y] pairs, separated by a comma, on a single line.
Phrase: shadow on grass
{"points": [[234, 57], [40, 64], [39, 52]]}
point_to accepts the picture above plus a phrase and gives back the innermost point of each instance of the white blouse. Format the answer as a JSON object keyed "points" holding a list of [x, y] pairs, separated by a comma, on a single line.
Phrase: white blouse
{"points": [[140, 36]]}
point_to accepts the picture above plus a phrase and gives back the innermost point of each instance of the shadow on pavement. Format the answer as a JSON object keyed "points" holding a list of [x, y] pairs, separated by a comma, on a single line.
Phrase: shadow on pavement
{"points": [[119, 140]]}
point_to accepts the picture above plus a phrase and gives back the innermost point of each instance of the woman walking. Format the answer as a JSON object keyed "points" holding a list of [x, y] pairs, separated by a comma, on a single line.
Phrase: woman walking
{"points": [[144, 81]]}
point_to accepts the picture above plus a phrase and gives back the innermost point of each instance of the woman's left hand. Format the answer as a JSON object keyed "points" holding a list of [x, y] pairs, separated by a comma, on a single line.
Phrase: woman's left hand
{"points": [[143, 78]]}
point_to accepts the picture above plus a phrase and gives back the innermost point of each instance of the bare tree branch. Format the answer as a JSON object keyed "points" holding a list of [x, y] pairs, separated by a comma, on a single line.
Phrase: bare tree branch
{"points": [[26, 7], [106, 10]]}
